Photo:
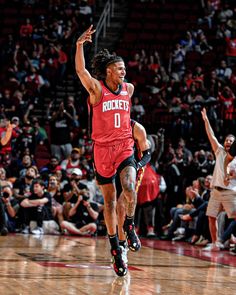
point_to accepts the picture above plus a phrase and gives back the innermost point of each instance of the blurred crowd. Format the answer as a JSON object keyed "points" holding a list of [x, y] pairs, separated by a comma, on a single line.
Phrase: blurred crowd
{"points": [[199, 71]]}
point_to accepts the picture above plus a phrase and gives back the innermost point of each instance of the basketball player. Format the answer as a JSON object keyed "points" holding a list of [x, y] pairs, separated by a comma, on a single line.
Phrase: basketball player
{"points": [[142, 156], [110, 102]]}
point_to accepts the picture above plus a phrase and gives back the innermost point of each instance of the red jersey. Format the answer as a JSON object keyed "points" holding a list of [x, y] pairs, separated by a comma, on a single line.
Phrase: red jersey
{"points": [[111, 116]]}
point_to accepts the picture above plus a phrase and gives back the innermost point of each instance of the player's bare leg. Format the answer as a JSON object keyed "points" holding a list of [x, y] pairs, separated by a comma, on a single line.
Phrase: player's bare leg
{"points": [[121, 214], [109, 194], [128, 181]]}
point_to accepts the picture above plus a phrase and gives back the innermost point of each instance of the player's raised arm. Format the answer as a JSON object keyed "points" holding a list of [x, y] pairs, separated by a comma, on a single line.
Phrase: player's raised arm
{"points": [[90, 83]]}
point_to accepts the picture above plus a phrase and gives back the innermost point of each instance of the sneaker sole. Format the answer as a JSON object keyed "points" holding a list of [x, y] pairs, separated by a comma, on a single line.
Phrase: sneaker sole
{"points": [[119, 274], [131, 248]]}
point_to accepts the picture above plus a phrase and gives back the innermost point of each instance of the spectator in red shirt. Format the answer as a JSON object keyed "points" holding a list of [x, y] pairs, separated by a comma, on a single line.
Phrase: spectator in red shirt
{"points": [[26, 29]]}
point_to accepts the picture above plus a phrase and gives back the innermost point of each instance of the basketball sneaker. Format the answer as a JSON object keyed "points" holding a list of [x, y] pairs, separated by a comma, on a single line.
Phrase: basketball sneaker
{"points": [[119, 266], [124, 253], [131, 237], [25, 230], [38, 231]]}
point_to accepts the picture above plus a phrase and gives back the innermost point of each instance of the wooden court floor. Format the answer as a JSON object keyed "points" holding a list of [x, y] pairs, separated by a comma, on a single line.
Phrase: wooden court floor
{"points": [[74, 265]]}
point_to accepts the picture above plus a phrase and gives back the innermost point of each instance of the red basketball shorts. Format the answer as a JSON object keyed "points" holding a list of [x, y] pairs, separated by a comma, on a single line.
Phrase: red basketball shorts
{"points": [[108, 158]]}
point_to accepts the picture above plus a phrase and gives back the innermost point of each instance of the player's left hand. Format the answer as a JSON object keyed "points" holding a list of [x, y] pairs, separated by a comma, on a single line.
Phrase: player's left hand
{"points": [[86, 36]]}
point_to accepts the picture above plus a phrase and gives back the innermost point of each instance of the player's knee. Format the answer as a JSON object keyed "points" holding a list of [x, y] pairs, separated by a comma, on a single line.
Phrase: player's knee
{"points": [[129, 187]]}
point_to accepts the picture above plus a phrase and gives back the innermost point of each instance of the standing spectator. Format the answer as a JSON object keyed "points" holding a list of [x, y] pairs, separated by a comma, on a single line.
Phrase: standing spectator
{"points": [[222, 197], [61, 124]]}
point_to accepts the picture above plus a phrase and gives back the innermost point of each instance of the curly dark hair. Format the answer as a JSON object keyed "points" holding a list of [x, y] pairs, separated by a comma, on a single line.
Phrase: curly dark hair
{"points": [[101, 61]]}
